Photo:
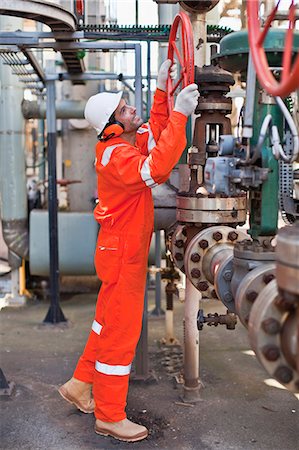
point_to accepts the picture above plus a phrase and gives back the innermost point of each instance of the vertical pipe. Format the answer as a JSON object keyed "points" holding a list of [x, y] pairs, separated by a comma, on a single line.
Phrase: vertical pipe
{"points": [[191, 344], [170, 339], [55, 314], [138, 80], [136, 13], [148, 76], [157, 311], [13, 193]]}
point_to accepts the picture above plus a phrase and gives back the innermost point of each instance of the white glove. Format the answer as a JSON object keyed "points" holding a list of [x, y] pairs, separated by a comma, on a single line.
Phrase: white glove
{"points": [[186, 101], [165, 68]]}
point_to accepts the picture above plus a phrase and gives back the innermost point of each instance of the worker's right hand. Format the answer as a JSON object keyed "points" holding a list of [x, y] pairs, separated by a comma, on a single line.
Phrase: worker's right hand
{"points": [[186, 101]]}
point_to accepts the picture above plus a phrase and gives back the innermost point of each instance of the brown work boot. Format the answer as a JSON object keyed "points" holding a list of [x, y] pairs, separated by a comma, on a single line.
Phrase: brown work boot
{"points": [[125, 430], [79, 394]]}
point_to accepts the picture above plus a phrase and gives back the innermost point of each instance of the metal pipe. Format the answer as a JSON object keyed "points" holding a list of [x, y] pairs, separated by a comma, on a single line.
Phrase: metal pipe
{"points": [[12, 160], [66, 109], [249, 105], [191, 344], [148, 74], [157, 311], [138, 80]]}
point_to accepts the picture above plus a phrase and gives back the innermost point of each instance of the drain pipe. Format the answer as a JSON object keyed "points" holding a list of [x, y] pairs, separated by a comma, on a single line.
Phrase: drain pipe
{"points": [[192, 383], [12, 160]]}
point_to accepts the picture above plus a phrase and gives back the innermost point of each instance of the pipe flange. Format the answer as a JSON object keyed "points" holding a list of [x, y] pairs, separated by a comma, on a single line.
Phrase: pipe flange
{"points": [[287, 251], [203, 209], [249, 289], [199, 250], [265, 326], [178, 240], [223, 282]]}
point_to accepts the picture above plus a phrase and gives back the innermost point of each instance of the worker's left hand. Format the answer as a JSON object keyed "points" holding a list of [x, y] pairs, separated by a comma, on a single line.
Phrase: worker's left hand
{"points": [[165, 68]]}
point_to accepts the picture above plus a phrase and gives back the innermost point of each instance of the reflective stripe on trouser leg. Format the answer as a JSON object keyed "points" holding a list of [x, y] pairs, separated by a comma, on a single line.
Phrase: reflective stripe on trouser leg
{"points": [[85, 367], [117, 342]]}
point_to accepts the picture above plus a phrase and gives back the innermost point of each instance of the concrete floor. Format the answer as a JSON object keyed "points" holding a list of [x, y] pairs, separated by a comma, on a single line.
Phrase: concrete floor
{"points": [[237, 411]]}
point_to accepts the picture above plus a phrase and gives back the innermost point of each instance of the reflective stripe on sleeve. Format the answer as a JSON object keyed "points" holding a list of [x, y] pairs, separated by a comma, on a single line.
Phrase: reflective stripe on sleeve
{"points": [[108, 369], [96, 327], [146, 175], [142, 130], [151, 141], [108, 152]]}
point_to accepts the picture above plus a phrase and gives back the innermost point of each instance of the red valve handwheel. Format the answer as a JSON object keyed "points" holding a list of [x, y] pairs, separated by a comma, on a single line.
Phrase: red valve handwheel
{"points": [[289, 81], [184, 58], [80, 7]]}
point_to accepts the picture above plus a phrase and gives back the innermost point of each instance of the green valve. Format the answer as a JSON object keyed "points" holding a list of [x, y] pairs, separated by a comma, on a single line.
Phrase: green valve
{"points": [[81, 54]]}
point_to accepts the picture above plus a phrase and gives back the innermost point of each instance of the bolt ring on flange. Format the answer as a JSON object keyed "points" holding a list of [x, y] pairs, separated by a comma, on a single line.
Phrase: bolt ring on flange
{"points": [[249, 288], [266, 325], [205, 243], [178, 240]]}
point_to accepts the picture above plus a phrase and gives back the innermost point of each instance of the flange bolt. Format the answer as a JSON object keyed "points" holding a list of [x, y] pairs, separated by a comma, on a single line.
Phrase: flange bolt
{"points": [[203, 243], [232, 236], [271, 352], [217, 236], [195, 273], [179, 243], [251, 296], [195, 257], [179, 256], [271, 326], [283, 374], [203, 286], [268, 277]]}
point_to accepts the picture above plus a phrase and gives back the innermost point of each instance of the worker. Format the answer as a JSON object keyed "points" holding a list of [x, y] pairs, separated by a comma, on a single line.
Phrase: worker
{"points": [[131, 159]]}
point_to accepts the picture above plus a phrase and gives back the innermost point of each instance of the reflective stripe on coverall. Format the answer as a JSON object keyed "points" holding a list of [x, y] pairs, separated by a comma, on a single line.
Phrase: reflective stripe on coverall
{"points": [[126, 174]]}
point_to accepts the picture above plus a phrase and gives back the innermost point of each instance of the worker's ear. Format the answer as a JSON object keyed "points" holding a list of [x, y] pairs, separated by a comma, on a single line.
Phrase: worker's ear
{"points": [[112, 129]]}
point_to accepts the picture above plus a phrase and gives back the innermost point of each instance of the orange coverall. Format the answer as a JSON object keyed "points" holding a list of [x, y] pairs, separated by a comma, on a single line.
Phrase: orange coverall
{"points": [[125, 211]]}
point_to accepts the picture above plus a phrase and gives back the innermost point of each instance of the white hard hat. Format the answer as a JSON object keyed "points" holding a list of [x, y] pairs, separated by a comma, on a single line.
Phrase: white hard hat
{"points": [[99, 108]]}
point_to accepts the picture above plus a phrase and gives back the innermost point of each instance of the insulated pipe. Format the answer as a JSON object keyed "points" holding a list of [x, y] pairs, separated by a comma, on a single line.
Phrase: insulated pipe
{"points": [[12, 158], [191, 344], [66, 109]]}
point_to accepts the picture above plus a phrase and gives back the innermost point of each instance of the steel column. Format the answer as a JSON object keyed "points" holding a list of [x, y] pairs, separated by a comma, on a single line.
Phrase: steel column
{"points": [[54, 314], [141, 359]]}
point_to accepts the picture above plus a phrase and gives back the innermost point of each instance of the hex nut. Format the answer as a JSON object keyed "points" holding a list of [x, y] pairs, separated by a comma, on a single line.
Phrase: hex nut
{"points": [[271, 326], [179, 243], [195, 273], [228, 297], [232, 236], [203, 286], [268, 277], [251, 296], [271, 352], [214, 294], [203, 243], [217, 236], [195, 257], [227, 275], [283, 374], [179, 256]]}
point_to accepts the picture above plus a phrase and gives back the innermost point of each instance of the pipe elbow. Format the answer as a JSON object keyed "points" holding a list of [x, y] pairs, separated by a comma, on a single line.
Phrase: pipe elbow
{"points": [[16, 236]]}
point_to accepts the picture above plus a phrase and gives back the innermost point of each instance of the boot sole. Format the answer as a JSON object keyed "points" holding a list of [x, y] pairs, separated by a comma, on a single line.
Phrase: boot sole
{"points": [[122, 438], [72, 401]]}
